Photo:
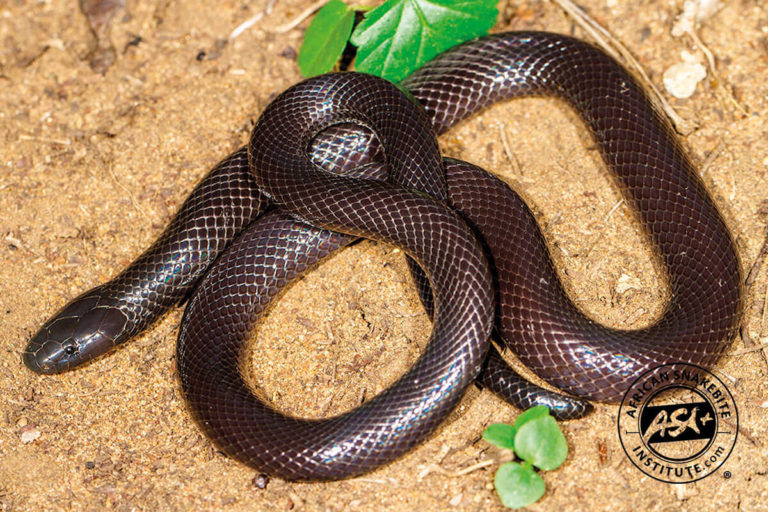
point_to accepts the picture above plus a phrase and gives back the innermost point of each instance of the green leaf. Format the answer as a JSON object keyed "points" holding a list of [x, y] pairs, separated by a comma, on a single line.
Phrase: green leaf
{"points": [[326, 38], [530, 414], [540, 441], [400, 35], [518, 485], [501, 435]]}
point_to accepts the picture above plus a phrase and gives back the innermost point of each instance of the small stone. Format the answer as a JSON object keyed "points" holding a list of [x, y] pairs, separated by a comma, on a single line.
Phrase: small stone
{"points": [[680, 80], [456, 500], [260, 481], [684, 491], [29, 433], [288, 53], [694, 11]]}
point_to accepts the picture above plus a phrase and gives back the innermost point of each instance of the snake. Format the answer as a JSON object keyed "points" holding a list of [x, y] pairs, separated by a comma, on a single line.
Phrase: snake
{"points": [[533, 313]]}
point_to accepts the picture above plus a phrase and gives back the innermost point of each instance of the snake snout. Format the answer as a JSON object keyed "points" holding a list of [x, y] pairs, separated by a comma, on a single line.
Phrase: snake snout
{"points": [[48, 357], [80, 332]]}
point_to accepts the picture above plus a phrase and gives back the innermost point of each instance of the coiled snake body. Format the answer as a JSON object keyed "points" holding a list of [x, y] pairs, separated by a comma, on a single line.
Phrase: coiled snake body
{"points": [[535, 318]]}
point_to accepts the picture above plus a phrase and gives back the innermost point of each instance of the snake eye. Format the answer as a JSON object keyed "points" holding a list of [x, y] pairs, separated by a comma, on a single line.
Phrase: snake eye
{"points": [[70, 350]]}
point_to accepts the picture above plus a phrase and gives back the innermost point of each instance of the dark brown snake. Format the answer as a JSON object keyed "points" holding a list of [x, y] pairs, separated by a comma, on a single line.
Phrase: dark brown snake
{"points": [[534, 316]]}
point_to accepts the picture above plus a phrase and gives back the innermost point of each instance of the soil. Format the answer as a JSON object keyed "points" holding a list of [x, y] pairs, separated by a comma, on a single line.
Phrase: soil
{"points": [[94, 165]]}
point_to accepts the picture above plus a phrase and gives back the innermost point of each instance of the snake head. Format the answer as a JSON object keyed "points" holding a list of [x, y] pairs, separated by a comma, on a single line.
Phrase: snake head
{"points": [[81, 331]]}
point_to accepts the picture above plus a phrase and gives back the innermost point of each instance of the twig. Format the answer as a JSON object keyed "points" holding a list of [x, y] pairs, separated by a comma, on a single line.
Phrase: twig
{"points": [[755, 269], [434, 468], [508, 150], [380, 481], [306, 13], [745, 337], [252, 21], [711, 157], [749, 284], [127, 191], [710, 58], [246, 25], [616, 49], [747, 350], [604, 228], [62, 142], [765, 309], [743, 432], [615, 207]]}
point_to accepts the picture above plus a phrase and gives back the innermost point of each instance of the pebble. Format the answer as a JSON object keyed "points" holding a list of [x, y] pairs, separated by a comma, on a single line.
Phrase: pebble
{"points": [[29, 433], [260, 481], [694, 11], [680, 79]]}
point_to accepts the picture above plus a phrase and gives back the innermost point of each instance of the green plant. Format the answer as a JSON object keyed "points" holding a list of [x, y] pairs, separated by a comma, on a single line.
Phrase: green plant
{"points": [[395, 38], [537, 440]]}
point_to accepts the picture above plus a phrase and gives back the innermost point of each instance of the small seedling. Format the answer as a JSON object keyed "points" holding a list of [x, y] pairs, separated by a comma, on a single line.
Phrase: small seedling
{"points": [[537, 440], [395, 38]]}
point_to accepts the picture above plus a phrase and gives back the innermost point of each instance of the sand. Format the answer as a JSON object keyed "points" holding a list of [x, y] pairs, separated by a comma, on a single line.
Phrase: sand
{"points": [[93, 166]]}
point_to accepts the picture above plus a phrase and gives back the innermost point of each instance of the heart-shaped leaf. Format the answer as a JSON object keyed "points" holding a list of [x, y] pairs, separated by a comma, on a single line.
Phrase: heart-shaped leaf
{"points": [[399, 36], [518, 485]]}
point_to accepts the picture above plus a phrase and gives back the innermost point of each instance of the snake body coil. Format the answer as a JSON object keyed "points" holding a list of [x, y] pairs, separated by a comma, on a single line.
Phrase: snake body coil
{"points": [[535, 317]]}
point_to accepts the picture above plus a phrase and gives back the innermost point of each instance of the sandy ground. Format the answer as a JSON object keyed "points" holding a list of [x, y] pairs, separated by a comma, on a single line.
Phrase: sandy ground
{"points": [[92, 167]]}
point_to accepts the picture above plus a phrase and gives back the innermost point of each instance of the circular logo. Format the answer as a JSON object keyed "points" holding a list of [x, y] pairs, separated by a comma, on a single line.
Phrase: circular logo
{"points": [[678, 423]]}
